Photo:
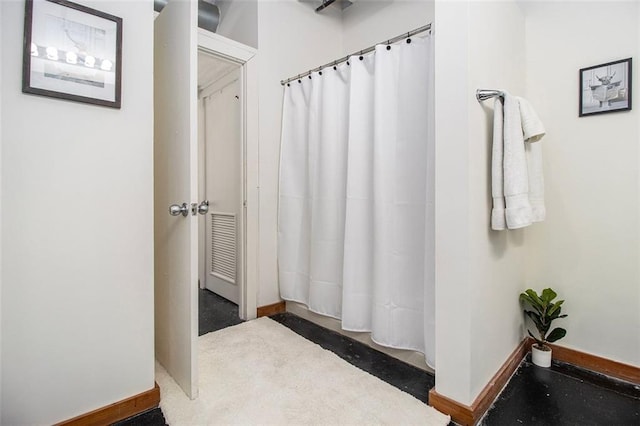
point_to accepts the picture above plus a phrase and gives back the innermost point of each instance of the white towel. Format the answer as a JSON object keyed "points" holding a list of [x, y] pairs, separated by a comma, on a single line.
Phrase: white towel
{"points": [[516, 179], [532, 128], [516, 172], [498, 221], [533, 131], [536, 182]]}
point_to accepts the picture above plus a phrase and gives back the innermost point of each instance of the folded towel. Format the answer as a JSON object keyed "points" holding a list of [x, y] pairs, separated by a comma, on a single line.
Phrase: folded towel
{"points": [[498, 221], [532, 128], [516, 178], [533, 131], [536, 181], [517, 185]]}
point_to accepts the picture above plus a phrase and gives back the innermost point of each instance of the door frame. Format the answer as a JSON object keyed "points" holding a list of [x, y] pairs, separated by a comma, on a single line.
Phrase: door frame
{"points": [[245, 56]]}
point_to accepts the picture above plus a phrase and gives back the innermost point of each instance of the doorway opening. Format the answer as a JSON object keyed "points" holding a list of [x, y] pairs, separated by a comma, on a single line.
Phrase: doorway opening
{"points": [[227, 178], [221, 231]]}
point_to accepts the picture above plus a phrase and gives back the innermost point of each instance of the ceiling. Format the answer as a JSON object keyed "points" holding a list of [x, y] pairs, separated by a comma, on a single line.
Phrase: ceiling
{"points": [[211, 68]]}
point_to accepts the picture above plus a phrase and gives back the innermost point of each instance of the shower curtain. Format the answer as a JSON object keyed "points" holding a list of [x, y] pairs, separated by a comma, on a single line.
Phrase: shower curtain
{"points": [[355, 220]]}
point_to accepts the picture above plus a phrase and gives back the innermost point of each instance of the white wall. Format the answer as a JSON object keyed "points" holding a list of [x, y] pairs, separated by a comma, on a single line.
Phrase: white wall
{"points": [[366, 23], [496, 59], [451, 231], [1, 50], [479, 272], [239, 21], [293, 39], [588, 248], [77, 272]]}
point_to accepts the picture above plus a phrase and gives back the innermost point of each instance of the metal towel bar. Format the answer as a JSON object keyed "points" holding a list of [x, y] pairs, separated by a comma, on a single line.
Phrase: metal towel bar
{"points": [[484, 94]]}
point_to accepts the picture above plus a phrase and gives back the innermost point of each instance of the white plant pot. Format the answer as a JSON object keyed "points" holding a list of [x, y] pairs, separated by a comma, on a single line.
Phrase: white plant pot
{"points": [[541, 358]]}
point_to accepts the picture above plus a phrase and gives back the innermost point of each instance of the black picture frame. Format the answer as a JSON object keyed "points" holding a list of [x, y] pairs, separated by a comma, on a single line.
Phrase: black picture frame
{"points": [[72, 52], [606, 88]]}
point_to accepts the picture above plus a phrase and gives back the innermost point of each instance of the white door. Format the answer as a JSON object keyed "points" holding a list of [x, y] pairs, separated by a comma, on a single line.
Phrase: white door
{"points": [[223, 183], [175, 175]]}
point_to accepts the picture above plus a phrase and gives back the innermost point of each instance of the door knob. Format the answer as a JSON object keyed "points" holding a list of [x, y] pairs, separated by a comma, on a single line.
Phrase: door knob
{"points": [[177, 209], [203, 208]]}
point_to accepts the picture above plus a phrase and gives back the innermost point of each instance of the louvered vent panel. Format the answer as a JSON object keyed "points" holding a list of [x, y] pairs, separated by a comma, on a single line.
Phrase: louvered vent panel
{"points": [[223, 246]]}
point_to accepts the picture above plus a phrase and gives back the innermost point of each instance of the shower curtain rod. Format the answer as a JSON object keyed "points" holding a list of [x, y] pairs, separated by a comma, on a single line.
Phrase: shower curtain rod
{"points": [[359, 52]]}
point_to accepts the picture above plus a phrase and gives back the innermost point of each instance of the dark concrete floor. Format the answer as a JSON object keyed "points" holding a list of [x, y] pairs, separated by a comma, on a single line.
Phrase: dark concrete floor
{"points": [[215, 312], [564, 395], [148, 418], [560, 395]]}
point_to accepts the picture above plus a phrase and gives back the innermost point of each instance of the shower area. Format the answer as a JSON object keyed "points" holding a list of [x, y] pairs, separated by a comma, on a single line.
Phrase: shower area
{"points": [[356, 196]]}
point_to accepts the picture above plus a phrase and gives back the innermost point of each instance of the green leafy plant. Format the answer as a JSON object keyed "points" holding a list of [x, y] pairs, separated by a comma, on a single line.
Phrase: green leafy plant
{"points": [[544, 312]]}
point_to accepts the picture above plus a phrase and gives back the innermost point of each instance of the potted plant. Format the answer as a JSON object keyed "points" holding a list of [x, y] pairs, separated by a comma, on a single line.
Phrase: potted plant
{"points": [[544, 312]]}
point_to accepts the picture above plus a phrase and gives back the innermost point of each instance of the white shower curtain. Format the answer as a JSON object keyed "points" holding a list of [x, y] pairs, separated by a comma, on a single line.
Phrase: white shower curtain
{"points": [[355, 223]]}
